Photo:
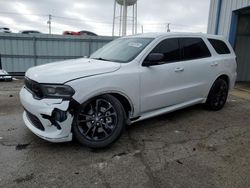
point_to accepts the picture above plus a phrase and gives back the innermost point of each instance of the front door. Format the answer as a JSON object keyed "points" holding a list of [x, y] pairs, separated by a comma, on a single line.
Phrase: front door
{"points": [[160, 83]]}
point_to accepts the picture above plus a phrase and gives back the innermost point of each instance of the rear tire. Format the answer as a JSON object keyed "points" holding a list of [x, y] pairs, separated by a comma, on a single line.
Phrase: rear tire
{"points": [[99, 122], [217, 96]]}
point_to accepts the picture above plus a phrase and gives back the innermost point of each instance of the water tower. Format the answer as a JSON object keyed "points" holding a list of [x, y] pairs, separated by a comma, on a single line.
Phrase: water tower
{"points": [[125, 7]]}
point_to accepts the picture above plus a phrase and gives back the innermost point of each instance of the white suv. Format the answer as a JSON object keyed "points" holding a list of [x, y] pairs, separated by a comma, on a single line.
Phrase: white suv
{"points": [[128, 80]]}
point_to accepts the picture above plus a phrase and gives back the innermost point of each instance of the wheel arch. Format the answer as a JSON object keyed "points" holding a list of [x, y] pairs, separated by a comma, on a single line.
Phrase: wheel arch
{"points": [[224, 77], [123, 99]]}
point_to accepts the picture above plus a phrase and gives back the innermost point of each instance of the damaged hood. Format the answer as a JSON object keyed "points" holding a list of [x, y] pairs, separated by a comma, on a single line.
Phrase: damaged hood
{"points": [[64, 71]]}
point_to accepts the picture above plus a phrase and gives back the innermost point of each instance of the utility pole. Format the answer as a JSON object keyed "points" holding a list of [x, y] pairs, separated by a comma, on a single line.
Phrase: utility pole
{"points": [[168, 27], [136, 18], [141, 28], [49, 22], [124, 18], [113, 29], [133, 20]]}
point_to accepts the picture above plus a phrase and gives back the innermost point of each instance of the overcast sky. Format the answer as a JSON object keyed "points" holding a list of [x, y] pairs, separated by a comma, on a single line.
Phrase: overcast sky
{"points": [[96, 15]]}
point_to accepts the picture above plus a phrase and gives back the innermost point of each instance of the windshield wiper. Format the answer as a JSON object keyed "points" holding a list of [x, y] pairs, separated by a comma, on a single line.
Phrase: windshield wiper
{"points": [[102, 59]]}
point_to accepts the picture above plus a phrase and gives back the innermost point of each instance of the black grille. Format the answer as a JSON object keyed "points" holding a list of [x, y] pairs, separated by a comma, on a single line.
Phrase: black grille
{"points": [[34, 87], [35, 121]]}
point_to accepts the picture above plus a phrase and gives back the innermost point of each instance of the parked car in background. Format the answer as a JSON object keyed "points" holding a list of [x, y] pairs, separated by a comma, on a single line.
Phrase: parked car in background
{"points": [[88, 33], [70, 33], [130, 79], [77, 33], [30, 32], [4, 76], [5, 30]]}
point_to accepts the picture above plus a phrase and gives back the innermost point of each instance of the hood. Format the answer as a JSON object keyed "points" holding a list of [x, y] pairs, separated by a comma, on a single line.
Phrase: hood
{"points": [[64, 71]]}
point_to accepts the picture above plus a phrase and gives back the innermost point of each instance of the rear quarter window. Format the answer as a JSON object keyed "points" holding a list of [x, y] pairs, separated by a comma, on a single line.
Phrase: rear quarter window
{"points": [[219, 46]]}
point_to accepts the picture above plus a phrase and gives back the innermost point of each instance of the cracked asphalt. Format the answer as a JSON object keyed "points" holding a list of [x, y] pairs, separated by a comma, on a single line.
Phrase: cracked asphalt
{"points": [[192, 147]]}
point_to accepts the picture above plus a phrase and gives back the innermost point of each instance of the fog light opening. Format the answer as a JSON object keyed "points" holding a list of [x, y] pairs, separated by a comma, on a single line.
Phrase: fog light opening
{"points": [[57, 116]]}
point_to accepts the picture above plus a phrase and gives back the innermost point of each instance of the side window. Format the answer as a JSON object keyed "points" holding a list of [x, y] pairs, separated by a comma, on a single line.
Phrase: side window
{"points": [[193, 48], [219, 46], [170, 49]]}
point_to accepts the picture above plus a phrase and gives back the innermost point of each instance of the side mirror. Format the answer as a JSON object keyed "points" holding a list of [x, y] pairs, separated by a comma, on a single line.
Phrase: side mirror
{"points": [[153, 59]]}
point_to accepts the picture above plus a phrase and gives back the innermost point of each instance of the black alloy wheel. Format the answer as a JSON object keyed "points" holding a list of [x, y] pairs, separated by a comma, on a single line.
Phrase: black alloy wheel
{"points": [[217, 96], [99, 122]]}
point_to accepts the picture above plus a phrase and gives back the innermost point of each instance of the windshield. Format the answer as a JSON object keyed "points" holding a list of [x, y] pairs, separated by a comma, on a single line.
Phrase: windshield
{"points": [[121, 50]]}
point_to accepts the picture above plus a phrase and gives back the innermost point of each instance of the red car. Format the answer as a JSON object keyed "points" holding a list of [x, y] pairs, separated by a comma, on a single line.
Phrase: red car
{"points": [[70, 33]]}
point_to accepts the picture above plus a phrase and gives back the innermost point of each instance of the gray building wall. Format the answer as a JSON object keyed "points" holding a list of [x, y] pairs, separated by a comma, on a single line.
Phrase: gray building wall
{"points": [[242, 47], [224, 15], [231, 18], [20, 52]]}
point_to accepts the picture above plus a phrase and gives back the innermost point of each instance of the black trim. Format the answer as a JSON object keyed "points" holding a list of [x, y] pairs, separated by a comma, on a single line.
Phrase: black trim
{"points": [[52, 121], [135, 118], [34, 121], [73, 104], [33, 87]]}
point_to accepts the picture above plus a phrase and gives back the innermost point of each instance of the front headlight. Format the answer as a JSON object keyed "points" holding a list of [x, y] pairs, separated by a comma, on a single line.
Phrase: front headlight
{"points": [[57, 91]]}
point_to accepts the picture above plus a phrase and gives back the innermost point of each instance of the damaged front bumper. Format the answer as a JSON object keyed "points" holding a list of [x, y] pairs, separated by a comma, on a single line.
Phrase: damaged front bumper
{"points": [[47, 118]]}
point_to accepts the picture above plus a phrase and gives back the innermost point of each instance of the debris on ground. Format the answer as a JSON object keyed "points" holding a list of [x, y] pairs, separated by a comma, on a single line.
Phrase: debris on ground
{"points": [[22, 146]]}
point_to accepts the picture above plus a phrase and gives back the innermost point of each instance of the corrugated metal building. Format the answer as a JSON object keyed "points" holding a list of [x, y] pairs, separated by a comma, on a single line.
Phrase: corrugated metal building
{"points": [[231, 18]]}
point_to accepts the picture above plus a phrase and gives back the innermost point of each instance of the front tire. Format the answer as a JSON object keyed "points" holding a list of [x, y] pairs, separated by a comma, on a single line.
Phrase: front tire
{"points": [[217, 96], [99, 122]]}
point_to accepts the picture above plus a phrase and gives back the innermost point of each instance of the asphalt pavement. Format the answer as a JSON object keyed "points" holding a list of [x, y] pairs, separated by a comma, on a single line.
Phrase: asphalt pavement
{"points": [[192, 147]]}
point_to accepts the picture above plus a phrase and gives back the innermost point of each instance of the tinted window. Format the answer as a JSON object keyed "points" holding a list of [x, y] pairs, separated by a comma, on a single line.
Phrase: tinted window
{"points": [[219, 46], [193, 48], [170, 49]]}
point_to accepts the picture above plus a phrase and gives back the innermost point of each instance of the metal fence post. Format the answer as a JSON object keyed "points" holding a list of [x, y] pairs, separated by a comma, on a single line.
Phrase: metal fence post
{"points": [[34, 51], [90, 44], [0, 61]]}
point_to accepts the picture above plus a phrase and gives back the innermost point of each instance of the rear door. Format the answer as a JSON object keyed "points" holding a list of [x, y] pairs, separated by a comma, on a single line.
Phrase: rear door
{"points": [[198, 65]]}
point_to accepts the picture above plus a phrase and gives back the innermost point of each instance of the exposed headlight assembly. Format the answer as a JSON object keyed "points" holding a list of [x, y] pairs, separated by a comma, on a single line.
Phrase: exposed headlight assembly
{"points": [[57, 91]]}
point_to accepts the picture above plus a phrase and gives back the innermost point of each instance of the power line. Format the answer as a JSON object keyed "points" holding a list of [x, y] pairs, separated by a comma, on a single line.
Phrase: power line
{"points": [[77, 20], [15, 13], [57, 16], [94, 21]]}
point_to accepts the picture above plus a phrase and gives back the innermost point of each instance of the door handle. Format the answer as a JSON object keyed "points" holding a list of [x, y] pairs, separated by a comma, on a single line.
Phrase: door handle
{"points": [[214, 64], [179, 69]]}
